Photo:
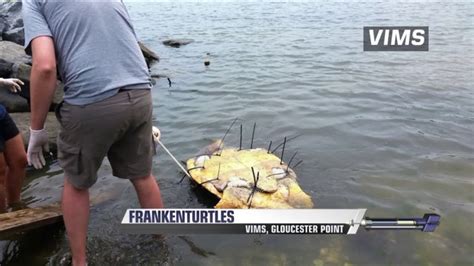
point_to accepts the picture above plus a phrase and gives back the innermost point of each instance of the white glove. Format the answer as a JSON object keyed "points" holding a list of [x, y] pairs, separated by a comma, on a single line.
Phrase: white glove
{"points": [[38, 142], [12, 84], [156, 134]]}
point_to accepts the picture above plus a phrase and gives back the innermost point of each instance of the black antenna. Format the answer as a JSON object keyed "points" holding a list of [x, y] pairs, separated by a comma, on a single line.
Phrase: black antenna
{"points": [[214, 179], [283, 151], [269, 147], [253, 134], [296, 165], [228, 129], [253, 174], [196, 167], [207, 181], [240, 146], [251, 192], [182, 178], [292, 138], [254, 189], [278, 174], [292, 157], [255, 181]]}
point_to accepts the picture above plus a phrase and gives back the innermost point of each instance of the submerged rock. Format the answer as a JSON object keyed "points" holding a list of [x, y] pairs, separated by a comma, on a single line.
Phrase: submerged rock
{"points": [[177, 42]]}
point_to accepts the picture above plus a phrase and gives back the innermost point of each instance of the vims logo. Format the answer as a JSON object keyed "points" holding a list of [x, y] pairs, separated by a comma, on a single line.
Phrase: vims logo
{"points": [[396, 38]]}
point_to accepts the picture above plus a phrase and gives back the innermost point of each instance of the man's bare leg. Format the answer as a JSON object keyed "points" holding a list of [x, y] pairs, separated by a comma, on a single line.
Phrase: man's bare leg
{"points": [[148, 192], [3, 191], [15, 158], [75, 206]]}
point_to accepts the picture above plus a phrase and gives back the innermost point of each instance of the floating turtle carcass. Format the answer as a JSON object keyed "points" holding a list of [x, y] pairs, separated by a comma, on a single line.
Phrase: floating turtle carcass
{"points": [[247, 178]]}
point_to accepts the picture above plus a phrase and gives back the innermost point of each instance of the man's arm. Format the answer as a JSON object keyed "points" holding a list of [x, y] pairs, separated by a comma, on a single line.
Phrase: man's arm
{"points": [[39, 43], [42, 80]]}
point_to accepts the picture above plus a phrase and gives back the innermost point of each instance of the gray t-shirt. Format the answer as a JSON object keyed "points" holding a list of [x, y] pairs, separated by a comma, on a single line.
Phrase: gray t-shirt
{"points": [[96, 47]]}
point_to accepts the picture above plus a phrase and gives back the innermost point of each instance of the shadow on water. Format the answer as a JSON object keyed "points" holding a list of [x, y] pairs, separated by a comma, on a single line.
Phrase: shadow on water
{"points": [[43, 242], [203, 196]]}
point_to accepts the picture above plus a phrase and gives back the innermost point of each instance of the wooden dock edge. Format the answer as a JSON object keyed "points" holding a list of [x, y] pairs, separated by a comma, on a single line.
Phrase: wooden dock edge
{"points": [[30, 218]]}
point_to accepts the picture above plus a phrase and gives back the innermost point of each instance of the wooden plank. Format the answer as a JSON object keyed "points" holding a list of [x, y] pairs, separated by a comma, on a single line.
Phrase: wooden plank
{"points": [[26, 219]]}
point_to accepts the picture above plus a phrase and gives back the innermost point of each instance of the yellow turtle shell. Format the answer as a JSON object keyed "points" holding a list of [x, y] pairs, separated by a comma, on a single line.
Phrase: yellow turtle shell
{"points": [[228, 175]]}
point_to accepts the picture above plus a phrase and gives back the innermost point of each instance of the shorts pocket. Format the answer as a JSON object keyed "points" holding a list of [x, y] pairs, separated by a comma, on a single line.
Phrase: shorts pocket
{"points": [[69, 157]]}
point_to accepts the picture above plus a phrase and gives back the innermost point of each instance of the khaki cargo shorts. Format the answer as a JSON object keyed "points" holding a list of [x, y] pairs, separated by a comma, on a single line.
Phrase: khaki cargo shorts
{"points": [[118, 127]]}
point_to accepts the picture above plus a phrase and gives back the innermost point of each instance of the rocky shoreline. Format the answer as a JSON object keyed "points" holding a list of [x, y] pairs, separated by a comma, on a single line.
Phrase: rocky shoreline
{"points": [[15, 63]]}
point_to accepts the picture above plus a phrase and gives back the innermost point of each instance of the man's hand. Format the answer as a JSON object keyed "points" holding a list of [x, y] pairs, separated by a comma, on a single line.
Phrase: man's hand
{"points": [[12, 84], [156, 134], [37, 144]]}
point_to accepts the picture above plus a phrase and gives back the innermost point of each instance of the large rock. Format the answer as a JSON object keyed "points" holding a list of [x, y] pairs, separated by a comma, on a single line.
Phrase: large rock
{"points": [[5, 68], [12, 29], [13, 64], [20, 102], [14, 53], [13, 102], [23, 72], [16, 35], [3, 25], [22, 121]]}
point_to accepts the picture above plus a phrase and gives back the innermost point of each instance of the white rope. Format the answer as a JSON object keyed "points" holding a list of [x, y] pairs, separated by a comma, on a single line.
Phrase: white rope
{"points": [[172, 157]]}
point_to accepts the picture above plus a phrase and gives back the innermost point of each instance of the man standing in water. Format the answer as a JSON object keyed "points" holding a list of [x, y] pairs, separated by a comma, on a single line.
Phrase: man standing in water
{"points": [[107, 107]]}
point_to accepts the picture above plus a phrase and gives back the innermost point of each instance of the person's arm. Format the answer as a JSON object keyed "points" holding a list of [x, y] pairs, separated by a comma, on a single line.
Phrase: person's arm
{"points": [[39, 43], [42, 80], [42, 87]]}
